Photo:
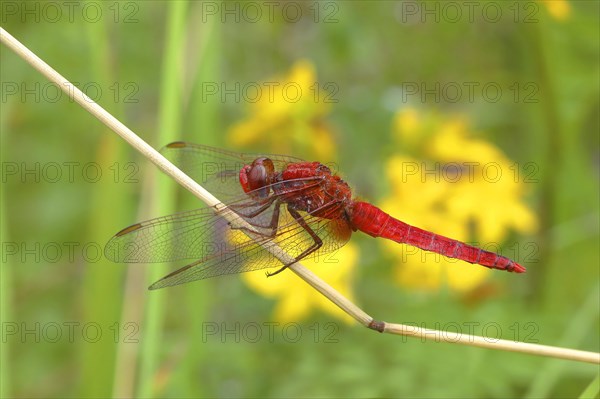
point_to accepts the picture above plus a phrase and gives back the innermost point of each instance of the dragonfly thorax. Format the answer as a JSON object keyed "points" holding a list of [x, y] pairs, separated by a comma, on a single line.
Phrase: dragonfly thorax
{"points": [[323, 194]]}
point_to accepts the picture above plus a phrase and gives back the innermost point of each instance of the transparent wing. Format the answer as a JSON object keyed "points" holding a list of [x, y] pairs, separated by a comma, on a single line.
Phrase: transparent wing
{"points": [[242, 253], [219, 249], [186, 235]]}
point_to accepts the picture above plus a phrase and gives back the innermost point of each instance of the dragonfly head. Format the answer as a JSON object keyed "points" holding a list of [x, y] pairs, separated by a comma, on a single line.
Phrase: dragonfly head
{"points": [[256, 178]]}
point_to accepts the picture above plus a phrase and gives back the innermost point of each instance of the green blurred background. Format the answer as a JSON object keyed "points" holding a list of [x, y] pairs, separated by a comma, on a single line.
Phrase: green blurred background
{"points": [[76, 325]]}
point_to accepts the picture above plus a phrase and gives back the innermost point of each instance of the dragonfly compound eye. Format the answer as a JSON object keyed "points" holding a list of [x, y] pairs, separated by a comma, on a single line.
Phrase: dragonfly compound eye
{"points": [[257, 176]]}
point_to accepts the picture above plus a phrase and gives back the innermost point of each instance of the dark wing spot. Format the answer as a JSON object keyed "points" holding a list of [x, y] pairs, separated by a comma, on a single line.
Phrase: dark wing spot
{"points": [[177, 144], [129, 229]]}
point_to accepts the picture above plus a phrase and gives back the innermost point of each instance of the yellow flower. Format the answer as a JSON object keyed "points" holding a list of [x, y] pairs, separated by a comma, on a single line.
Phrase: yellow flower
{"points": [[296, 298], [453, 185], [407, 126], [559, 9], [288, 117], [291, 121]]}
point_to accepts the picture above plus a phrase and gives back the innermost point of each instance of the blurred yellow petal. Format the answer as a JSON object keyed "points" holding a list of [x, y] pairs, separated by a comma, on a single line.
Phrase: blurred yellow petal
{"points": [[429, 276], [295, 298], [291, 309], [244, 133], [524, 221], [303, 73], [418, 275], [323, 144], [559, 9], [290, 117], [452, 144], [407, 126], [463, 276]]}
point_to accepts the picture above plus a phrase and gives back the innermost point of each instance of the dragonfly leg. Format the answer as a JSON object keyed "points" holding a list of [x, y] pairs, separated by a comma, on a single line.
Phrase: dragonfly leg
{"points": [[272, 226], [316, 245], [266, 203], [257, 211]]}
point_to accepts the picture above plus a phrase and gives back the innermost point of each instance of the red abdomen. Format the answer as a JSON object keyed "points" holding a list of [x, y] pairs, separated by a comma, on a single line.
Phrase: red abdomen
{"points": [[375, 222]]}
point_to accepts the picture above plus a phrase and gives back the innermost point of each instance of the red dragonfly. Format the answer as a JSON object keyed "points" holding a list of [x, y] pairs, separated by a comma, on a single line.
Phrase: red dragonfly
{"points": [[318, 216]]}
